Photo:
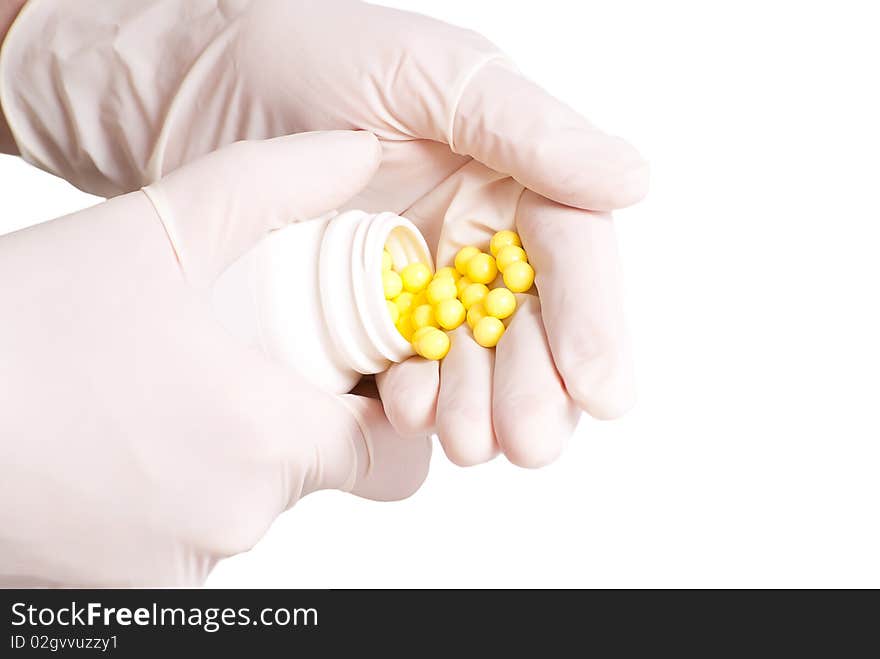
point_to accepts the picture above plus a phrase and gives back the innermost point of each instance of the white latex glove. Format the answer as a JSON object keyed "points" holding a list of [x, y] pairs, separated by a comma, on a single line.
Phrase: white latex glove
{"points": [[111, 96], [139, 443]]}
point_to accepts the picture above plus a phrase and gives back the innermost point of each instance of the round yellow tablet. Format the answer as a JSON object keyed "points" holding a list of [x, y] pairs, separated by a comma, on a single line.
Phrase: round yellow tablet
{"points": [[449, 314], [415, 276], [433, 345], [481, 268], [502, 239], [464, 255], [462, 284], [519, 277], [500, 303], [488, 331], [391, 284]]}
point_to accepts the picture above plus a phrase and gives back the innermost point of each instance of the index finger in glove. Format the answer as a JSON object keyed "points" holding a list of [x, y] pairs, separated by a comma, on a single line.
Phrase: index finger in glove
{"points": [[217, 207]]}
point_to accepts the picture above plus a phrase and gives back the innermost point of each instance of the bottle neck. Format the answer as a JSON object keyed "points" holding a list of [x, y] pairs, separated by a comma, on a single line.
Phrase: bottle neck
{"points": [[350, 280]]}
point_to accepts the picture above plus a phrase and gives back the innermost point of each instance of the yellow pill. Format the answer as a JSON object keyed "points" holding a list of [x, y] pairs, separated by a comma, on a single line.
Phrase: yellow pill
{"points": [[433, 345], [447, 272], [519, 277], [415, 276], [449, 314], [500, 303], [405, 327], [502, 239], [404, 302], [473, 294], [465, 254], [508, 255], [393, 311], [441, 289], [481, 268], [391, 284], [423, 316], [462, 284], [419, 333], [475, 313], [387, 261], [488, 331]]}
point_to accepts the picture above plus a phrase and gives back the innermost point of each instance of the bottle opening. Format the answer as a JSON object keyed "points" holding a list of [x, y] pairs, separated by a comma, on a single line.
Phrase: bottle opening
{"points": [[351, 281]]}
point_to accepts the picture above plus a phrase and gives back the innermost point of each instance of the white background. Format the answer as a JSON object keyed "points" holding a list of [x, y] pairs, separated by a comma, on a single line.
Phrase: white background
{"points": [[752, 289]]}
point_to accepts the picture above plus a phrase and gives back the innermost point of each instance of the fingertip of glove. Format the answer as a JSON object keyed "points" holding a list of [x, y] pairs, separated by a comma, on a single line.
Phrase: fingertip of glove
{"points": [[620, 180], [408, 420], [409, 395], [604, 400], [627, 188]]}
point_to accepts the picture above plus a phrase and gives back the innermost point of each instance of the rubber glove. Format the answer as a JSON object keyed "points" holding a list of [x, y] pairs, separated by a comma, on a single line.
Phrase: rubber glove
{"points": [[139, 443], [111, 96]]}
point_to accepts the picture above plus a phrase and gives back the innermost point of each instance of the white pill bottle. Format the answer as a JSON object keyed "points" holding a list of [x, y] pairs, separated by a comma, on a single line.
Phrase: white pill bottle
{"points": [[310, 295]]}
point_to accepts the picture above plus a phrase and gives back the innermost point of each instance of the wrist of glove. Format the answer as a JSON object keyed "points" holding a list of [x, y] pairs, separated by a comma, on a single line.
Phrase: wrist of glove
{"points": [[72, 72], [113, 97]]}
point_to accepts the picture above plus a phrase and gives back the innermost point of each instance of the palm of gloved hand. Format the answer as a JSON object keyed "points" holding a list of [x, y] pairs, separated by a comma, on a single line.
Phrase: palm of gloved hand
{"points": [[139, 443], [450, 113], [565, 352]]}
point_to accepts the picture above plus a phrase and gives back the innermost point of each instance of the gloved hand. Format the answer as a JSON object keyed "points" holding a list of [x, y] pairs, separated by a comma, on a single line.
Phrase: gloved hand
{"points": [[139, 443], [112, 96]]}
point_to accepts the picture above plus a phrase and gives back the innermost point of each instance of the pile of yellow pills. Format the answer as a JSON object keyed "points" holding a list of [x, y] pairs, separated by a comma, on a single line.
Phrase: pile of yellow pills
{"points": [[422, 305]]}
